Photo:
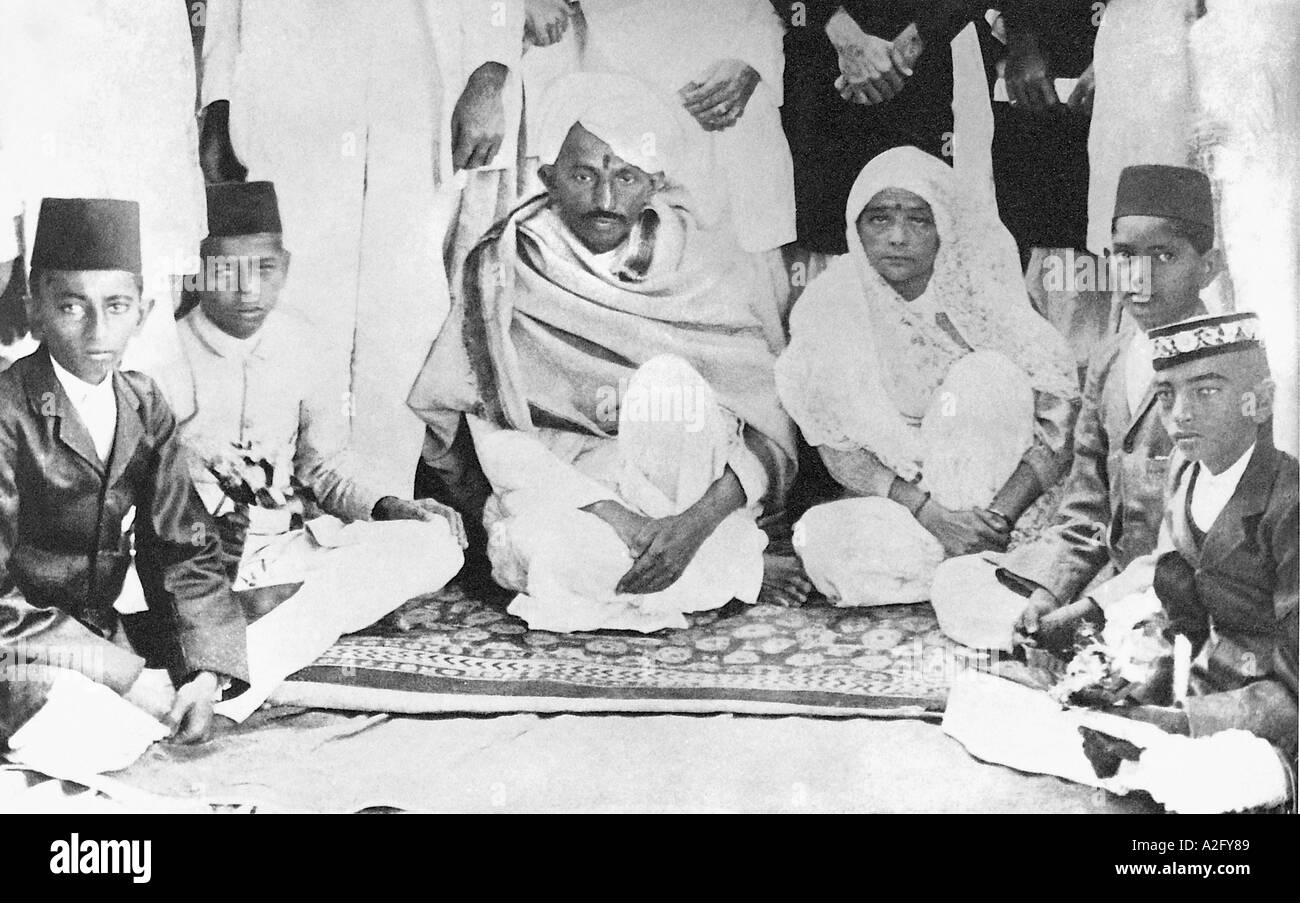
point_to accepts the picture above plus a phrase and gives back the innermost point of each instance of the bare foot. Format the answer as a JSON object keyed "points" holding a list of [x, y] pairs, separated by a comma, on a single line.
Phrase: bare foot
{"points": [[784, 581]]}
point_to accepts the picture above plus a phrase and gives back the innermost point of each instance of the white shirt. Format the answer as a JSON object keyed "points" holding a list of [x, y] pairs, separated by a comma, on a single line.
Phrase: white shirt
{"points": [[266, 390], [1138, 371], [95, 405], [1212, 492]]}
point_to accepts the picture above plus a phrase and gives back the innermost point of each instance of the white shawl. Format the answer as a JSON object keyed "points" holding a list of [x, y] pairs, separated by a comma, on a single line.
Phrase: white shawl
{"points": [[832, 378]]}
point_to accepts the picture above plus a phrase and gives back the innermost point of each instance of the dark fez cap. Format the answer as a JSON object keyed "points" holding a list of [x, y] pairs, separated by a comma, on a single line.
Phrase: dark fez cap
{"points": [[242, 208], [1174, 192], [87, 234], [1203, 337]]}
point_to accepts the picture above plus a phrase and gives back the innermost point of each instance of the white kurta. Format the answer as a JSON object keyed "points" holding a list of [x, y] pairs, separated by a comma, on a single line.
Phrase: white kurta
{"points": [[566, 562], [97, 100], [346, 105], [265, 391]]}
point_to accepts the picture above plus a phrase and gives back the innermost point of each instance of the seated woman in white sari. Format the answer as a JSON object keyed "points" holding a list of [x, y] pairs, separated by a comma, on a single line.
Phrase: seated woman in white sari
{"points": [[936, 396]]}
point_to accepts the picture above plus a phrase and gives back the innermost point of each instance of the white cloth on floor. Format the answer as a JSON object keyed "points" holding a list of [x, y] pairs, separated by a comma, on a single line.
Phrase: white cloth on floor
{"points": [[366, 571], [674, 442], [83, 728]]}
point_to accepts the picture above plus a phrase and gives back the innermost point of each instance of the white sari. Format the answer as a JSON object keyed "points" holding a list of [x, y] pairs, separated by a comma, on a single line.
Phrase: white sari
{"points": [[943, 389]]}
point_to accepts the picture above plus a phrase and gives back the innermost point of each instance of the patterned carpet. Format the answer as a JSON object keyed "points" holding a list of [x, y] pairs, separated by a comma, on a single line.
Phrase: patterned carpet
{"points": [[463, 655]]}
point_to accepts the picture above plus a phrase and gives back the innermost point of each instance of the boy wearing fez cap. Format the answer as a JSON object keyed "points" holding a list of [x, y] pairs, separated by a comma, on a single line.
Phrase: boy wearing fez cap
{"points": [[255, 378], [91, 465], [1163, 242], [1225, 570]]}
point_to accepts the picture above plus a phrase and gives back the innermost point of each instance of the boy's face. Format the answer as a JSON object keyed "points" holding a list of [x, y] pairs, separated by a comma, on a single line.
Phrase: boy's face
{"points": [[1212, 407], [1173, 273], [242, 276], [86, 318]]}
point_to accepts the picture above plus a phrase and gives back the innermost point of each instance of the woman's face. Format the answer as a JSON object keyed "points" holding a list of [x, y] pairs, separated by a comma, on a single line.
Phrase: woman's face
{"points": [[898, 232]]}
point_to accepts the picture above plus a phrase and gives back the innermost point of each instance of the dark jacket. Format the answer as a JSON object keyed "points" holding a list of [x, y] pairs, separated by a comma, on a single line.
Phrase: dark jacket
{"points": [[64, 553], [1242, 578]]}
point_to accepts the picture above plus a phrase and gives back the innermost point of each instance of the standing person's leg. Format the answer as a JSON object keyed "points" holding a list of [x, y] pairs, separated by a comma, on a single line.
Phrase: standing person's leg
{"points": [[402, 292]]}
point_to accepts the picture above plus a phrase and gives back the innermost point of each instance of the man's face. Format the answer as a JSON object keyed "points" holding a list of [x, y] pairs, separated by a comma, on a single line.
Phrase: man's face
{"points": [[1166, 272], [1212, 407], [86, 318], [598, 196], [899, 235], [250, 272]]}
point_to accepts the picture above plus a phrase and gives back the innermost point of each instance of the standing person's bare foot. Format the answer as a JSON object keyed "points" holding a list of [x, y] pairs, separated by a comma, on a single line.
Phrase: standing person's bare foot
{"points": [[784, 581]]}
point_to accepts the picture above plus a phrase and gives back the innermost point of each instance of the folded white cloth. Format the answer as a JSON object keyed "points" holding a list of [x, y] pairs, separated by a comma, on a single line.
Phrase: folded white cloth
{"points": [[84, 728]]}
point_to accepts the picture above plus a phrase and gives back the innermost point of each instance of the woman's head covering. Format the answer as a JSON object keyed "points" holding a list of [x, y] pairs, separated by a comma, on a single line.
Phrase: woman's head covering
{"points": [[977, 281], [832, 377], [624, 112]]}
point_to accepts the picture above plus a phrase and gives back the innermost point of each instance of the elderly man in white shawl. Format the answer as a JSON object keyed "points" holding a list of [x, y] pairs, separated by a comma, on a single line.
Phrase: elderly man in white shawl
{"points": [[936, 396], [617, 386]]}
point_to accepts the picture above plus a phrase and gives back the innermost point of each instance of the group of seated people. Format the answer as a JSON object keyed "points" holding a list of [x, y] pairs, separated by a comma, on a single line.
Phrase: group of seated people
{"points": [[607, 404]]}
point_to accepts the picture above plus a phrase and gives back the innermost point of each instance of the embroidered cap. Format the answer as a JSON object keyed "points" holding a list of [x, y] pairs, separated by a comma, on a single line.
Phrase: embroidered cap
{"points": [[87, 234], [242, 208], [1173, 192], [1202, 337]]}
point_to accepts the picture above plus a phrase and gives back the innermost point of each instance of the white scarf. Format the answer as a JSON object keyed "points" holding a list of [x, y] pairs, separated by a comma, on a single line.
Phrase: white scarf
{"points": [[832, 378]]}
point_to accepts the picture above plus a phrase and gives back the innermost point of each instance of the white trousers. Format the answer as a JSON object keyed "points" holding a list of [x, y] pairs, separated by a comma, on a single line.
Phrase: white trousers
{"points": [[350, 579], [872, 551], [567, 563]]}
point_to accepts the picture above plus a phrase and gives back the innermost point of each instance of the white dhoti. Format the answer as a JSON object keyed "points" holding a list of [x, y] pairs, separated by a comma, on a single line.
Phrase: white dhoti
{"points": [[351, 577], [674, 442], [872, 551]]}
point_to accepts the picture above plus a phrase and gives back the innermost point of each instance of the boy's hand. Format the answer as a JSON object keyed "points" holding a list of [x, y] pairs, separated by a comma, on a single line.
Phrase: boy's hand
{"points": [[1041, 603], [191, 714], [390, 507], [1056, 628]]}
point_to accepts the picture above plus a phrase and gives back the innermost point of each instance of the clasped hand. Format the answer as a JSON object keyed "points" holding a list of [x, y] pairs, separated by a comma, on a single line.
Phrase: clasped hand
{"points": [[718, 99], [662, 547], [965, 532]]}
